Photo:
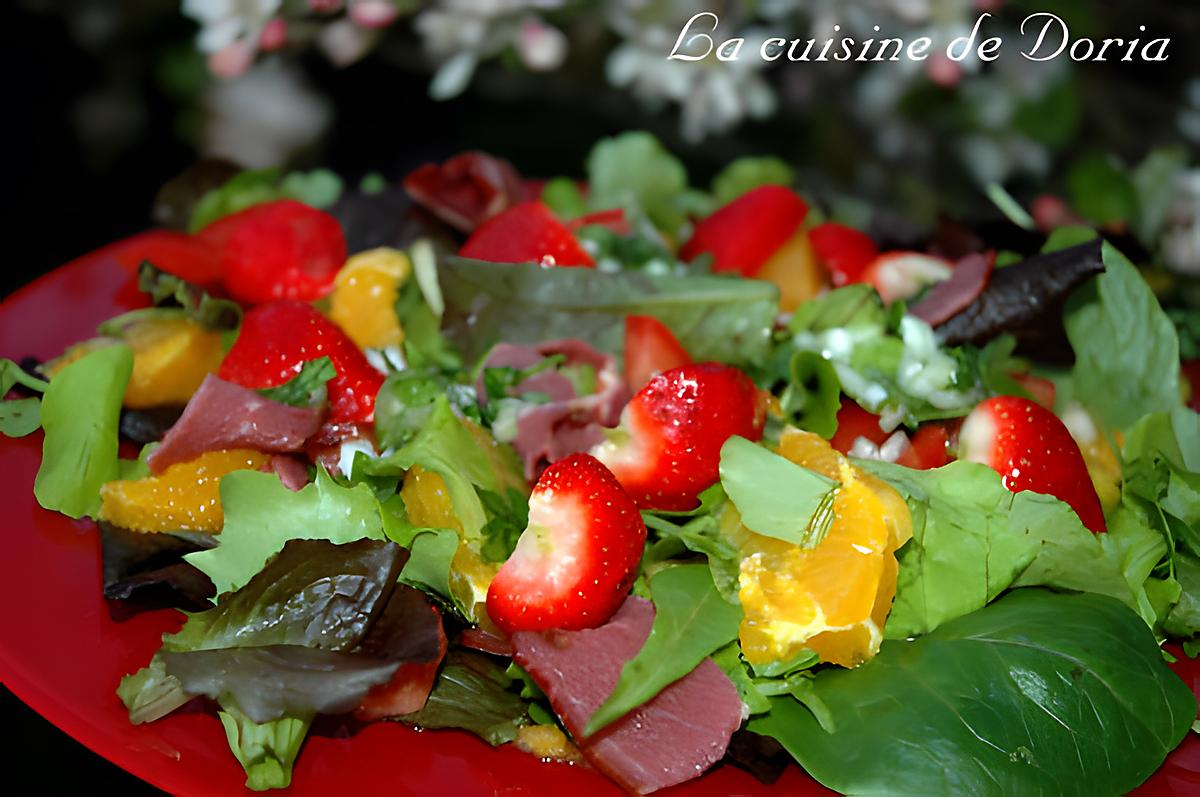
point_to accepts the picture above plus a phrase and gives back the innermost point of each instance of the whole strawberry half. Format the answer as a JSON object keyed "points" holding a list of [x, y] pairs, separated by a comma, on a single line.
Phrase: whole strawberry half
{"points": [[1031, 449], [667, 449], [744, 233], [276, 340], [578, 556]]}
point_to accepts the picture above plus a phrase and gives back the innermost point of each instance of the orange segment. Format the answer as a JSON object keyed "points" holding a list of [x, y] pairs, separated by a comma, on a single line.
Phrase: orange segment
{"points": [[185, 497], [171, 357], [832, 599], [363, 302], [793, 268]]}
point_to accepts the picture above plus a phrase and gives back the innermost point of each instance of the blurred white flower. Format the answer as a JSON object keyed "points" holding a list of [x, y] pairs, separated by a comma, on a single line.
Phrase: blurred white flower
{"points": [[223, 22], [1181, 239], [265, 117]]}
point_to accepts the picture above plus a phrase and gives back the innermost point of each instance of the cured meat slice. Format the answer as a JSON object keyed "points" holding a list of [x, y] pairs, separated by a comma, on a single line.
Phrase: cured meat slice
{"points": [[949, 298], [224, 415], [675, 737]]}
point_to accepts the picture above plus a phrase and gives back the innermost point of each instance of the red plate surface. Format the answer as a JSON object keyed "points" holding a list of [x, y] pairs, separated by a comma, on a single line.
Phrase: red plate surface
{"points": [[62, 655]]}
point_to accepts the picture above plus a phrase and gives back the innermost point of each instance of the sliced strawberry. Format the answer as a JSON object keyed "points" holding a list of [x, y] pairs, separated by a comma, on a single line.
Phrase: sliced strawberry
{"points": [[1030, 447], [1040, 389], [843, 251], [650, 348], [927, 448], [411, 629], [278, 338], [577, 558], [528, 232], [667, 448], [854, 422], [743, 234], [277, 250], [902, 275]]}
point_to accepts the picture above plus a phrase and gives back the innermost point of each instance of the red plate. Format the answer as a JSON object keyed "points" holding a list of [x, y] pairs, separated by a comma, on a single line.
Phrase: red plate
{"points": [[62, 655]]}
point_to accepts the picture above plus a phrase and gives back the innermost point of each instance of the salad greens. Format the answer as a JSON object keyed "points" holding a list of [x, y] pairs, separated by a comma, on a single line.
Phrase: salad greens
{"points": [[715, 318], [21, 416], [261, 516], [79, 414], [1020, 653], [1126, 351], [1047, 680], [775, 496]]}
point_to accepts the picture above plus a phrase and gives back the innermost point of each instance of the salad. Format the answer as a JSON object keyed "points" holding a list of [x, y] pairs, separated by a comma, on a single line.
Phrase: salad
{"points": [[642, 477]]}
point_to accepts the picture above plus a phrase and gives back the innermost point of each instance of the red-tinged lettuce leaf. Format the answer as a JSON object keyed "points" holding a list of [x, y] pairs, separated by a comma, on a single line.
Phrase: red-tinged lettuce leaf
{"points": [[142, 572], [313, 593], [1031, 695], [276, 681], [715, 318], [1026, 300], [473, 693]]}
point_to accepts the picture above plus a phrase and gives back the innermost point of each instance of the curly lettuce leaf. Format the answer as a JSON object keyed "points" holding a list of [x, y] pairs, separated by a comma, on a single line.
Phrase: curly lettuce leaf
{"points": [[80, 412], [320, 188], [746, 174], [635, 172], [1023, 697], [261, 515]]}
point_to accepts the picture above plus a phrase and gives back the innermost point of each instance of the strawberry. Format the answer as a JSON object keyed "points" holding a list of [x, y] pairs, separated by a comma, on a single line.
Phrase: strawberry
{"points": [[1040, 389], [277, 250], [743, 234], [902, 275], [667, 448], [528, 232], [278, 338], [1030, 447], [578, 556], [927, 448], [649, 348], [854, 422], [843, 251], [186, 256]]}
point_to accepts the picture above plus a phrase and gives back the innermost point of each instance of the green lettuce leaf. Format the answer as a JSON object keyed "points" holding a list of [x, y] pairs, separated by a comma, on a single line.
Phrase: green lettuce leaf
{"points": [[319, 188], [715, 318], [472, 692], [19, 417], [1126, 349], [261, 515], [746, 174], [973, 539], [80, 412], [170, 294], [691, 621], [775, 496], [266, 750], [635, 172], [1025, 696]]}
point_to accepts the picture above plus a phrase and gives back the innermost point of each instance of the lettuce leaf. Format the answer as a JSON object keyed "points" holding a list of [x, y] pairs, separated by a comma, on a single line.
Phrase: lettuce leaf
{"points": [[80, 413], [1126, 349], [1023, 697], [472, 692], [635, 172], [261, 515], [22, 416], [319, 188], [746, 174], [973, 539], [715, 318], [266, 750], [775, 496]]}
